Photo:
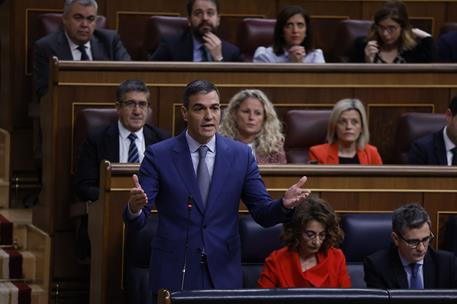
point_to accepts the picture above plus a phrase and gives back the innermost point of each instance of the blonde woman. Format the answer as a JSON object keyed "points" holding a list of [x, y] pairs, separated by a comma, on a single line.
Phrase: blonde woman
{"points": [[347, 137], [251, 118]]}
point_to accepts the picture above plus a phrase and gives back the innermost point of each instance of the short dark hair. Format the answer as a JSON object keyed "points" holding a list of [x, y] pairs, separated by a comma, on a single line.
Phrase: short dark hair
{"points": [[453, 105], [313, 208], [130, 85], [281, 20], [409, 216], [190, 5], [196, 87]]}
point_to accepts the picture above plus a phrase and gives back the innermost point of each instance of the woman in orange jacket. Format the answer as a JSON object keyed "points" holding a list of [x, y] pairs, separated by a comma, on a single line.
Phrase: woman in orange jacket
{"points": [[347, 137]]}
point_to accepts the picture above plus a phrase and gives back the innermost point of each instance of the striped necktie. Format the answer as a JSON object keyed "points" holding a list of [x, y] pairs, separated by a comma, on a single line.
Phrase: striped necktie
{"points": [[133, 150], [205, 55]]}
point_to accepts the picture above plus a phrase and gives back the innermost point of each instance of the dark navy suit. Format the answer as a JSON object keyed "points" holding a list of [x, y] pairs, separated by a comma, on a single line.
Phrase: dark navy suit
{"points": [[181, 48], [384, 270], [447, 47], [168, 178], [428, 150], [104, 44]]}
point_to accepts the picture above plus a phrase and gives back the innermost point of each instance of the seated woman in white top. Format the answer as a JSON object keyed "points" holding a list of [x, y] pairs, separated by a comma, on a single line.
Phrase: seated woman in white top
{"points": [[293, 39]]}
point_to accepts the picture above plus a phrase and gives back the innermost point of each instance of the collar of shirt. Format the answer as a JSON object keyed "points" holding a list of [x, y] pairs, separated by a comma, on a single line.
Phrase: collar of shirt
{"points": [[74, 49], [124, 132], [195, 145]]}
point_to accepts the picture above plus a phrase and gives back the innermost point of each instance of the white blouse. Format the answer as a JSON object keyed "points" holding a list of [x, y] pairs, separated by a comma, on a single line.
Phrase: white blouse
{"points": [[263, 54]]}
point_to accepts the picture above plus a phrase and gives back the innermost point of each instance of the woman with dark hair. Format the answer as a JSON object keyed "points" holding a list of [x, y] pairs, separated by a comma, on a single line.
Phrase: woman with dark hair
{"points": [[293, 39], [309, 258], [392, 39]]}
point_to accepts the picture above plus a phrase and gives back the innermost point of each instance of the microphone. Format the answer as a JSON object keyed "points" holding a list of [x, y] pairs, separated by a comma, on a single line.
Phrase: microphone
{"points": [[186, 244]]}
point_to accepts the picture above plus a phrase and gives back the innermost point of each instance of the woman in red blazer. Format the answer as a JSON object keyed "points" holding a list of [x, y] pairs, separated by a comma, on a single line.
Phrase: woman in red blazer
{"points": [[347, 137], [309, 258]]}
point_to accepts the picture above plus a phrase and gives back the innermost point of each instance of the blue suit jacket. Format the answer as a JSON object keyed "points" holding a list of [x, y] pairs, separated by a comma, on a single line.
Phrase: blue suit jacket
{"points": [[181, 49], [447, 47], [105, 45], [384, 270], [428, 150], [168, 178]]}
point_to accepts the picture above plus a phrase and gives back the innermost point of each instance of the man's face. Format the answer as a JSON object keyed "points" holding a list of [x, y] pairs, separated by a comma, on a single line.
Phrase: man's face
{"points": [[204, 18], [79, 23], [451, 126], [133, 110], [202, 116], [421, 234]]}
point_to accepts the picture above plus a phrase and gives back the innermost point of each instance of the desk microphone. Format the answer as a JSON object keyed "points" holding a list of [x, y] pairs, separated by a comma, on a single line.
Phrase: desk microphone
{"points": [[186, 244]]}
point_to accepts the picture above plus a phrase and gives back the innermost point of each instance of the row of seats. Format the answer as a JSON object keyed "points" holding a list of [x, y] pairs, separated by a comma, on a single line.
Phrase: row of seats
{"points": [[335, 37], [365, 233], [303, 129], [310, 295]]}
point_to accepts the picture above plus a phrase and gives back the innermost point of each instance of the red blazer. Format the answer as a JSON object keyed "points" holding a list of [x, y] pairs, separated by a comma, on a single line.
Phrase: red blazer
{"points": [[328, 154], [282, 269]]}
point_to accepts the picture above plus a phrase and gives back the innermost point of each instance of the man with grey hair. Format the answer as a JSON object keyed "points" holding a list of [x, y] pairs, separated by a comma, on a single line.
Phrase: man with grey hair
{"points": [[77, 39], [411, 263]]}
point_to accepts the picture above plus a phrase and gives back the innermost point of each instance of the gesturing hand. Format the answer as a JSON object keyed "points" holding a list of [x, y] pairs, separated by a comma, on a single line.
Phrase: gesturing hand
{"points": [[295, 195], [371, 49], [138, 199], [214, 45]]}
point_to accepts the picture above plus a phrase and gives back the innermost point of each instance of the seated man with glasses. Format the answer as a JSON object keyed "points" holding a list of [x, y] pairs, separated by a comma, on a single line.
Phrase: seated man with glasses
{"points": [[309, 257], [411, 262]]}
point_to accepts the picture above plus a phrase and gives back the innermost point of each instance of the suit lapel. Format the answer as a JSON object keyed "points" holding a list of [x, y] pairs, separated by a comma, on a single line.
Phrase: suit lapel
{"points": [[62, 46], [183, 162], [440, 149], [97, 49], [149, 137], [112, 143], [429, 272], [398, 272], [221, 170]]}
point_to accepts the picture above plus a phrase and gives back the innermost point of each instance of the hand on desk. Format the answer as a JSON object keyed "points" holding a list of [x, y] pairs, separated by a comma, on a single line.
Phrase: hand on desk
{"points": [[295, 195], [138, 199]]}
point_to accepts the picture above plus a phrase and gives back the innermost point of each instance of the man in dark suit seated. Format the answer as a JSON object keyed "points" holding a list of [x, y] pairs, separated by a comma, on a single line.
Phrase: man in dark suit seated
{"points": [[76, 40], [438, 148], [200, 42], [411, 263]]}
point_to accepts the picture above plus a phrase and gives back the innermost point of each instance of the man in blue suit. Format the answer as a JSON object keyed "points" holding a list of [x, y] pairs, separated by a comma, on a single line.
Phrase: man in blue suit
{"points": [[438, 148], [78, 31], [200, 42], [197, 245]]}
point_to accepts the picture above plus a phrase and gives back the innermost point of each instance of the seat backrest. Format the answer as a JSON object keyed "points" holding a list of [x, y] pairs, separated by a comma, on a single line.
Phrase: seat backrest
{"points": [[160, 27], [303, 129], [4, 168], [50, 22], [448, 27], [364, 234], [450, 239], [346, 34], [252, 33], [412, 126], [256, 244]]}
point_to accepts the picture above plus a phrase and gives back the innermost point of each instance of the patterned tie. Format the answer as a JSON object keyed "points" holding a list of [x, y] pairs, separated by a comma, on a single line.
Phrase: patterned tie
{"points": [[82, 49], [205, 56], [454, 156], [203, 173], [416, 282], [133, 150]]}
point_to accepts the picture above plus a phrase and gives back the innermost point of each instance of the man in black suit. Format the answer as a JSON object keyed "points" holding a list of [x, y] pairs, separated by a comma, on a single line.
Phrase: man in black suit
{"points": [[438, 148], [76, 40], [200, 42], [411, 263], [112, 143]]}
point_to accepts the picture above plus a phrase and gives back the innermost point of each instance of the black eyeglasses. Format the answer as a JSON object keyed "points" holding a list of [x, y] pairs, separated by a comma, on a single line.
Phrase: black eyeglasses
{"points": [[414, 243], [389, 29], [130, 104], [313, 235]]}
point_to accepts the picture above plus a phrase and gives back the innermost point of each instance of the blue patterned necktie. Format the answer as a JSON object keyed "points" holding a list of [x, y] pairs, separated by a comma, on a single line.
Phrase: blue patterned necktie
{"points": [[203, 173], [205, 55], [133, 150], [415, 279], [82, 49]]}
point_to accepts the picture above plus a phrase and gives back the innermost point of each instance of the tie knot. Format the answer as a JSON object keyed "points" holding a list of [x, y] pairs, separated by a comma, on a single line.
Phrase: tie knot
{"points": [[202, 151], [81, 48], [414, 268], [132, 137]]}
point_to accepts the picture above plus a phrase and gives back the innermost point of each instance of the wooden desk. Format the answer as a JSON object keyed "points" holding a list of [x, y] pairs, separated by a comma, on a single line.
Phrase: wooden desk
{"points": [[347, 188]]}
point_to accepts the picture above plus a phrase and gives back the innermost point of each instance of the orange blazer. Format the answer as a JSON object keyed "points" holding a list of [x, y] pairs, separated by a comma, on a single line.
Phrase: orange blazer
{"points": [[282, 269], [328, 154]]}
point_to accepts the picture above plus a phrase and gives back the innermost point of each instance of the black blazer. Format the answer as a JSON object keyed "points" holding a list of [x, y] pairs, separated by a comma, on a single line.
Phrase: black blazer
{"points": [[99, 146], [180, 48], [447, 47], [428, 150], [105, 45], [384, 270]]}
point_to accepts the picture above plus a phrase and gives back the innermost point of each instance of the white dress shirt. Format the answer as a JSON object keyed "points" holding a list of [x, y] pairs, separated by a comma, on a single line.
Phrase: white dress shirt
{"points": [[77, 53], [124, 143]]}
